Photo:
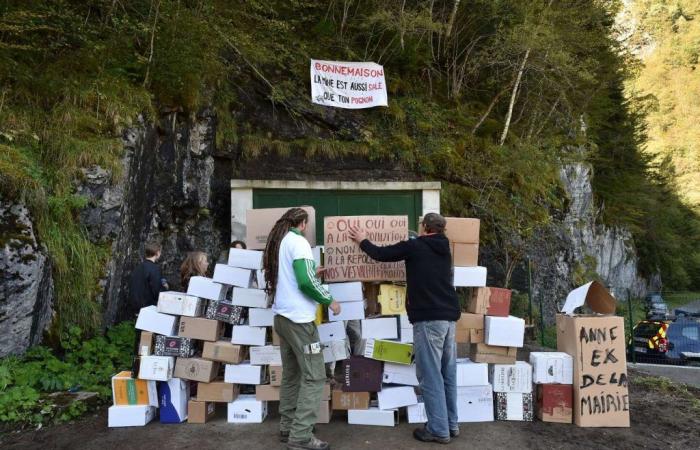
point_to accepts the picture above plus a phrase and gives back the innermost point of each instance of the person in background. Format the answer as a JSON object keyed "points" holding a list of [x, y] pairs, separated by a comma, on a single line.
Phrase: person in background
{"points": [[194, 265], [223, 256], [292, 282], [433, 309], [146, 282]]}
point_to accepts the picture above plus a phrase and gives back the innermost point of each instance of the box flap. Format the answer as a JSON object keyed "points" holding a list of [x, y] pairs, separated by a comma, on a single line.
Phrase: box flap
{"points": [[594, 295]]}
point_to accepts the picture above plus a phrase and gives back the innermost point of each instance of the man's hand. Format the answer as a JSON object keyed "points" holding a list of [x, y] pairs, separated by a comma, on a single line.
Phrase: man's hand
{"points": [[335, 307], [357, 234], [320, 270]]}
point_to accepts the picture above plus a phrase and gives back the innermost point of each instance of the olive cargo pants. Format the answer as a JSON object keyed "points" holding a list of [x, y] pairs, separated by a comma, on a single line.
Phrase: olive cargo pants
{"points": [[303, 377]]}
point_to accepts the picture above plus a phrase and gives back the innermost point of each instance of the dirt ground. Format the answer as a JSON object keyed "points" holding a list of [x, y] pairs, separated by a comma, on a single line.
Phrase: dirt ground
{"points": [[660, 419]]}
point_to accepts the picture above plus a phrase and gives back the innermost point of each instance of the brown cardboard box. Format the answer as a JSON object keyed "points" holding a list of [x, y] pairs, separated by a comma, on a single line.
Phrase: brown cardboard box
{"points": [[217, 391], [224, 351], [479, 301], [326, 395], [466, 323], [200, 412], [146, 343], [259, 223], [554, 403], [350, 400], [465, 255], [324, 412], [196, 369], [275, 375], [266, 392], [461, 230], [476, 336], [199, 328], [483, 353], [499, 302]]}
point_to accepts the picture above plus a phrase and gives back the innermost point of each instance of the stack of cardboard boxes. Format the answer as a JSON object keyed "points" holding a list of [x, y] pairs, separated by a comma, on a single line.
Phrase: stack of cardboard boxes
{"points": [[553, 376]]}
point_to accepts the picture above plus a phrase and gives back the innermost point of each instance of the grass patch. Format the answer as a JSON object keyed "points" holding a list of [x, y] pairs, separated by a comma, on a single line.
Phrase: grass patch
{"points": [[666, 386]]}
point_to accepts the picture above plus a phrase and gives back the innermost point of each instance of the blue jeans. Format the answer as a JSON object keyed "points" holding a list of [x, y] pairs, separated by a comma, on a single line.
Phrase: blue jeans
{"points": [[435, 349]]}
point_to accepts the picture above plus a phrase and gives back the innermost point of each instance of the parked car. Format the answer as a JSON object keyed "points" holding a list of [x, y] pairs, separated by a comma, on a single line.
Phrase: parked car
{"points": [[656, 307], [667, 342]]}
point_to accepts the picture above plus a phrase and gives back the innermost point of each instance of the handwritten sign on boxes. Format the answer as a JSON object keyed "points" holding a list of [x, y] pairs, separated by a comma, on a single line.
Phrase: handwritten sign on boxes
{"points": [[344, 259]]}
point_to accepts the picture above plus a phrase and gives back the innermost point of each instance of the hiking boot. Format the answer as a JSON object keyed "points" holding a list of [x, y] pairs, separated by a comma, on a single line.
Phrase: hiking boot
{"points": [[454, 433], [424, 435], [312, 444]]}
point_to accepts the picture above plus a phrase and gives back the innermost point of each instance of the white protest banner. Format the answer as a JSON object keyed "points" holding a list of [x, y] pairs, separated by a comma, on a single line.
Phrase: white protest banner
{"points": [[351, 85]]}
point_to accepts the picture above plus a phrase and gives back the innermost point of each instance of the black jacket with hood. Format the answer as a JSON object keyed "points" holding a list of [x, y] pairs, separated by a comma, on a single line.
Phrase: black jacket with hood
{"points": [[430, 294]]}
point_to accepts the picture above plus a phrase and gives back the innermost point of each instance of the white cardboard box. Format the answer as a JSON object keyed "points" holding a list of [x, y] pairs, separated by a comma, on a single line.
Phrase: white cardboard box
{"points": [[400, 374], [260, 278], [348, 311], [396, 397], [245, 259], [207, 288], [261, 317], [252, 298], [472, 374], [151, 320], [317, 251], [373, 416], [246, 409], [244, 373], [335, 350], [552, 368], [346, 292], [504, 331], [416, 413], [475, 403], [130, 415], [470, 276], [332, 331], [247, 335], [405, 330], [265, 355], [180, 304], [511, 377], [232, 276], [173, 396], [158, 368], [380, 328]]}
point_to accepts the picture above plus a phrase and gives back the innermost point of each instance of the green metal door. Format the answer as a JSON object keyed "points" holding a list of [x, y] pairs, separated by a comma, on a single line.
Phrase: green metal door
{"points": [[343, 203]]}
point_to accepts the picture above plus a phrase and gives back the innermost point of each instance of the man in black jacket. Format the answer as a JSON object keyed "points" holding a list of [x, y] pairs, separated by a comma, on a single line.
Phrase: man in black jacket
{"points": [[146, 282], [433, 309]]}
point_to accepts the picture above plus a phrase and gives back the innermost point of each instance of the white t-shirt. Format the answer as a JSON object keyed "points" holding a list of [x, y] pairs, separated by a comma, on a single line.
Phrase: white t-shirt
{"points": [[289, 301]]}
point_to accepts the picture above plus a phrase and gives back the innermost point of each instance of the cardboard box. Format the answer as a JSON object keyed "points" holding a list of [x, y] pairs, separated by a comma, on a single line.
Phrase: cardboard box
{"points": [[247, 335], [267, 392], [324, 412], [465, 255], [373, 416], [318, 255], [207, 288], [462, 230], [180, 304], [200, 328], [350, 291], [469, 276], [259, 317], [554, 403], [332, 331], [472, 374], [182, 347], [245, 259], [225, 312], [348, 311], [217, 391], [172, 398], [196, 369], [514, 406], [225, 276], [380, 328], [416, 413], [396, 397], [130, 391], [260, 279], [246, 409], [392, 299], [475, 404], [200, 412], [483, 353], [479, 301], [259, 223], [265, 355], [552, 367], [388, 351], [597, 346], [275, 375], [362, 375], [130, 416], [405, 330], [466, 323], [504, 331], [499, 302], [276, 339], [224, 351], [157, 368], [350, 400], [335, 350], [244, 373], [151, 320], [511, 377], [146, 343], [252, 298], [400, 374]]}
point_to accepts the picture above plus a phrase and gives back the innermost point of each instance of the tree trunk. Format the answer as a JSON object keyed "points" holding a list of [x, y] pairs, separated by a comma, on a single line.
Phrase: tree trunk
{"points": [[453, 16], [488, 110], [513, 95]]}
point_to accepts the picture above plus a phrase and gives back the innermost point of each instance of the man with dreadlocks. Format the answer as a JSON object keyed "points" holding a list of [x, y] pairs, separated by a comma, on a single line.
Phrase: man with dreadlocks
{"points": [[292, 283]]}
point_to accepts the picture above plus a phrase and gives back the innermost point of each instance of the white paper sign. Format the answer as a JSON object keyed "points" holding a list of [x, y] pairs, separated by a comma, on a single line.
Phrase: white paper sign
{"points": [[350, 85]]}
